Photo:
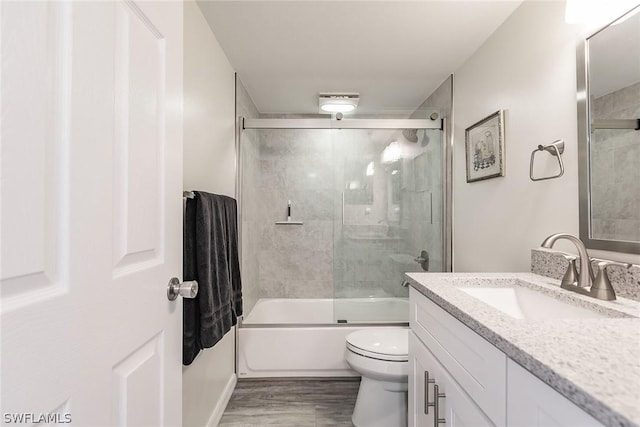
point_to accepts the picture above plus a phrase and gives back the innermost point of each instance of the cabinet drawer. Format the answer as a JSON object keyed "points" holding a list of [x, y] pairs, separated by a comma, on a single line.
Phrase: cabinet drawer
{"points": [[475, 364]]}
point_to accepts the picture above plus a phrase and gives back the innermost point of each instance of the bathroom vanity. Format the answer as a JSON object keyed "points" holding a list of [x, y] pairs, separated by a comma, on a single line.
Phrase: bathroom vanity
{"points": [[516, 350]]}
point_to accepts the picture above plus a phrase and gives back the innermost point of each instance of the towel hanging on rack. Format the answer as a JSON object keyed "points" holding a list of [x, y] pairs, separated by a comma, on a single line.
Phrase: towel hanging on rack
{"points": [[211, 258]]}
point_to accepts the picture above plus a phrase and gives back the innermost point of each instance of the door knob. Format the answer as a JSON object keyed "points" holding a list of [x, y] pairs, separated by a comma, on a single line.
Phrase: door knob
{"points": [[186, 289]]}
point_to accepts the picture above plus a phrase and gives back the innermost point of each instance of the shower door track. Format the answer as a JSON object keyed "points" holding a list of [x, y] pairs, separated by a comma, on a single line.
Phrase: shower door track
{"points": [[342, 124]]}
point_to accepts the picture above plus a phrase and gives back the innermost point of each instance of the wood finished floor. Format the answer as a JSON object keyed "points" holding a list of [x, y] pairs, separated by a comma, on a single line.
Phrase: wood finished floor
{"points": [[291, 403]]}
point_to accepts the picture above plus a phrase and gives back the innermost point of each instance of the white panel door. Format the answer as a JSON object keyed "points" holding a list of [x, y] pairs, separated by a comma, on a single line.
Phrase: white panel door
{"points": [[91, 212]]}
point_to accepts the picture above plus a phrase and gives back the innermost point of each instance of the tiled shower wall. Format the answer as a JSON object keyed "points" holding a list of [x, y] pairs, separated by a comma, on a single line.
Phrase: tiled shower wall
{"points": [[295, 261], [615, 156]]}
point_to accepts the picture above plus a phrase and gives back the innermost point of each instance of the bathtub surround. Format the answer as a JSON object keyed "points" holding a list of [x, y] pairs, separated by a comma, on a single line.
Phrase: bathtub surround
{"points": [[209, 159], [296, 165], [625, 281]]}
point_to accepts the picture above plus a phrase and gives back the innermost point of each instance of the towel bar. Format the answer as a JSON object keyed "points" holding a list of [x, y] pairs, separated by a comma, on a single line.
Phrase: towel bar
{"points": [[556, 149]]}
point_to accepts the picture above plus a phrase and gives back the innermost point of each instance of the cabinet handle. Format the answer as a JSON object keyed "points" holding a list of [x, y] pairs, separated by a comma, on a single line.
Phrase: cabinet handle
{"points": [[427, 381], [436, 416]]}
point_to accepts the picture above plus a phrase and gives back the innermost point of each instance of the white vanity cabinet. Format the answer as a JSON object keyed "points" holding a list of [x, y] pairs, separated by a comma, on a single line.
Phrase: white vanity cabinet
{"points": [[478, 367], [481, 385], [451, 405]]}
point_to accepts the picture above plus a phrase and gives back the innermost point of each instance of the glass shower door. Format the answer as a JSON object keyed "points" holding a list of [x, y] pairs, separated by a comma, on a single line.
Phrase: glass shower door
{"points": [[388, 193]]}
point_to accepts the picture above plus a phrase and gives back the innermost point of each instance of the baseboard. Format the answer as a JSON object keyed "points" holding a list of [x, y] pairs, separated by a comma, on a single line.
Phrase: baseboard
{"points": [[216, 415]]}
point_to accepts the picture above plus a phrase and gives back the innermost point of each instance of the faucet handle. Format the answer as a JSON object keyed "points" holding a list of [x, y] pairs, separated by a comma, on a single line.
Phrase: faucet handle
{"points": [[602, 288], [571, 275], [607, 262]]}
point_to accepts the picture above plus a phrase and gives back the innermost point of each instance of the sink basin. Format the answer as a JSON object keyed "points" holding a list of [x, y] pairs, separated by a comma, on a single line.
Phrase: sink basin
{"points": [[524, 303]]}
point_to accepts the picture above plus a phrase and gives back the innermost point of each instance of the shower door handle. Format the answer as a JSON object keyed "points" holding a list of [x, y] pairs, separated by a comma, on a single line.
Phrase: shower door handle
{"points": [[186, 289]]}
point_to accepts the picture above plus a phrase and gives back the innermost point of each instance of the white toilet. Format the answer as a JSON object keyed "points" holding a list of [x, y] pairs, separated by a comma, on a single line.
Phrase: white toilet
{"points": [[380, 355]]}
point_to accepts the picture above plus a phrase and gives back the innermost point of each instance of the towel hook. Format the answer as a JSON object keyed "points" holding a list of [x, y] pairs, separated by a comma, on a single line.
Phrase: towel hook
{"points": [[556, 148]]}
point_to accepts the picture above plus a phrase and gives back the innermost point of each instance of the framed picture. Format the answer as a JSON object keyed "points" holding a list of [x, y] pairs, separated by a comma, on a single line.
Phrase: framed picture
{"points": [[484, 143]]}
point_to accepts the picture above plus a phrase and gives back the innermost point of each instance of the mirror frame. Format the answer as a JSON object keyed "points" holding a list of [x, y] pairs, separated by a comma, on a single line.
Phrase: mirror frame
{"points": [[584, 143]]}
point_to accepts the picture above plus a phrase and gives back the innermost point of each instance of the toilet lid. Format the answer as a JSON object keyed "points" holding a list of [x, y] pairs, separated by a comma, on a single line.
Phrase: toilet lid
{"points": [[381, 343]]}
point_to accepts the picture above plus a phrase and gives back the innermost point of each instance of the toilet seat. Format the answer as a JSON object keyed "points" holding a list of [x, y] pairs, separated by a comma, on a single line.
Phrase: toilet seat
{"points": [[388, 344]]}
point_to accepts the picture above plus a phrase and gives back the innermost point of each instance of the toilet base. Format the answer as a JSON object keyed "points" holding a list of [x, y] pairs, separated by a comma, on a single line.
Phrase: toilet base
{"points": [[380, 404]]}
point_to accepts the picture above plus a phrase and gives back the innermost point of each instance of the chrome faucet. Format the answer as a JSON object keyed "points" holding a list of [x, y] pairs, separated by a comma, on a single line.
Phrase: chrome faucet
{"points": [[585, 276], [583, 282]]}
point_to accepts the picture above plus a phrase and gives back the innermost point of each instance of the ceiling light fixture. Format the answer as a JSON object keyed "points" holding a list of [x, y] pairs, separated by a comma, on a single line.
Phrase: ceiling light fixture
{"points": [[338, 102]]}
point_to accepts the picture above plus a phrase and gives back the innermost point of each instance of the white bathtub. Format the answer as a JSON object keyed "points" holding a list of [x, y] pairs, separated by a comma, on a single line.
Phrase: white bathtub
{"points": [[301, 338]]}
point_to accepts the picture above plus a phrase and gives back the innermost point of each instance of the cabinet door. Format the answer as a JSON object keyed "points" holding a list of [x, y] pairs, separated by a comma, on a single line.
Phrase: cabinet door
{"points": [[532, 403], [475, 364], [418, 373], [455, 407]]}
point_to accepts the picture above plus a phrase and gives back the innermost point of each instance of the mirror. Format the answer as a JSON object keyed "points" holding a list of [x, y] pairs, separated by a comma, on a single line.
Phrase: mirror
{"points": [[609, 136]]}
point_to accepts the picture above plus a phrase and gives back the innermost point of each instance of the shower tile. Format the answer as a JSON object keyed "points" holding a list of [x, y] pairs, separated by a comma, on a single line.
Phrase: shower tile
{"points": [[312, 172], [345, 271], [272, 174], [313, 235], [277, 265], [313, 204]]}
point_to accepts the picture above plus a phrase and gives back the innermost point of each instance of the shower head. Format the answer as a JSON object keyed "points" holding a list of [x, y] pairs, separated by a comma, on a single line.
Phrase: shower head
{"points": [[410, 135]]}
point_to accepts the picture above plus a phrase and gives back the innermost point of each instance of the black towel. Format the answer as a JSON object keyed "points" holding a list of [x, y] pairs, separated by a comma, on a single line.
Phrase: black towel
{"points": [[211, 258]]}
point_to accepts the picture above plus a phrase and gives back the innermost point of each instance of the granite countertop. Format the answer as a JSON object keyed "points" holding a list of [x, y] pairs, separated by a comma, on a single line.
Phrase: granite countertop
{"points": [[593, 362]]}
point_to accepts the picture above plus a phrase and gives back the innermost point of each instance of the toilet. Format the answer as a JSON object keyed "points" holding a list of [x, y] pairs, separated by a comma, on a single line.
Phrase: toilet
{"points": [[380, 355]]}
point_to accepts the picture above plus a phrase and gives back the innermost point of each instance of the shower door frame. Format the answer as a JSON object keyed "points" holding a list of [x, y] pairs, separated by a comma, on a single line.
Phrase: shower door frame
{"points": [[247, 123]]}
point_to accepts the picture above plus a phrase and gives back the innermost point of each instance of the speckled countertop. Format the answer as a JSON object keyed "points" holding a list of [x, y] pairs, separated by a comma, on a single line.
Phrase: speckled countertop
{"points": [[593, 362]]}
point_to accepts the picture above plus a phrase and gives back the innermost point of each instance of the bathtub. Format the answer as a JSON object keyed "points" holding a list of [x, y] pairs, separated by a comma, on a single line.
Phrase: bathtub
{"points": [[301, 338]]}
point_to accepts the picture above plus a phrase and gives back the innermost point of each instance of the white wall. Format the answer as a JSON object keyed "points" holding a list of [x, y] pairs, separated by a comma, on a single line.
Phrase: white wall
{"points": [[527, 68], [209, 165], [209, 109]]}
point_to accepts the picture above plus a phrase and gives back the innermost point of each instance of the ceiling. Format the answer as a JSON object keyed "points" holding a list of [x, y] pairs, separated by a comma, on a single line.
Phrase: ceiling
{"points": [[394, 53]]}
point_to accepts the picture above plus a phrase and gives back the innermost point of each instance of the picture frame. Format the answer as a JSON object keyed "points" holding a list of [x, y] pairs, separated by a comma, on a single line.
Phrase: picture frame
{"points": [[485, 148]]}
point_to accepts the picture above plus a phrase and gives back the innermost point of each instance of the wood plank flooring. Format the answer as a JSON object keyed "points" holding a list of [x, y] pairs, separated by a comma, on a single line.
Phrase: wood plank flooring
{"points": [[292, 403]]}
